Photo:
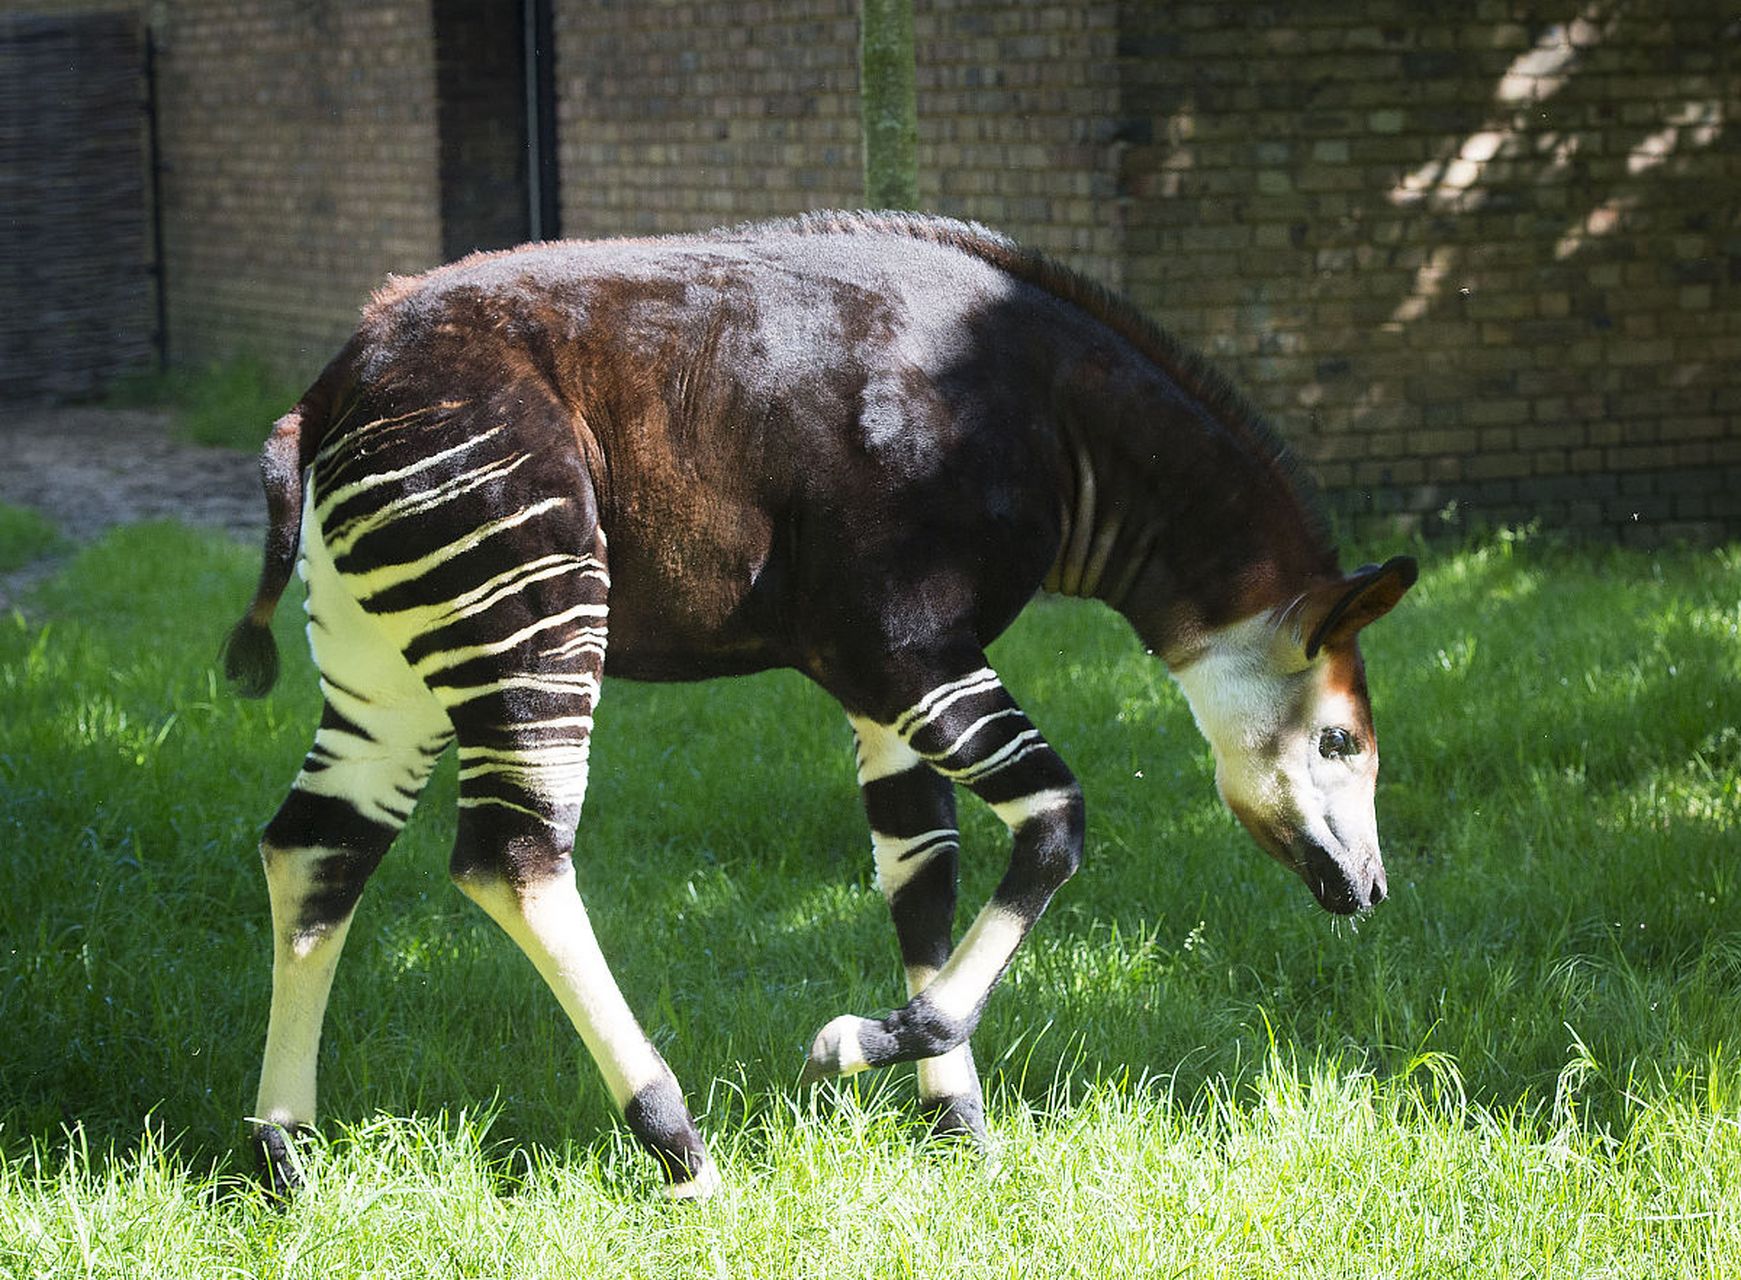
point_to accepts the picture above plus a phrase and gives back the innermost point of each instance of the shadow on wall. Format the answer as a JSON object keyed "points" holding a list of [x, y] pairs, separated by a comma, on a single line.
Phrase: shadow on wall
{"points": [[1486, 263]]}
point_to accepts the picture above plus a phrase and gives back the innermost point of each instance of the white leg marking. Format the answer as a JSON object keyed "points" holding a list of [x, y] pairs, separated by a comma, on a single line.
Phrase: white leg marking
{"points": [[899, 860], [1023, 744], [949, 1075], [700, 1187], [333, 497], [379, 777], [1017, 811], [578, 685], [881, 751], [944, 695], [839, 1042], [408, 505], [393, 575], [303, 964], [550, 924], [355, 649], [974, 728], [423, 618], [968, 977], [443, 659]]}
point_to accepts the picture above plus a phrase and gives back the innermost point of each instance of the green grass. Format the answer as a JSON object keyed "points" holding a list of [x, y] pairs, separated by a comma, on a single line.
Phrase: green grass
{"points": [[1524, 1063], [26, 536], [232, 403]]}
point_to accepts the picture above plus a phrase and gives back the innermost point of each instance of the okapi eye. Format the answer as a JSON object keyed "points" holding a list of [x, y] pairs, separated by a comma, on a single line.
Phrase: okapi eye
{"points": [[1336, 744]]}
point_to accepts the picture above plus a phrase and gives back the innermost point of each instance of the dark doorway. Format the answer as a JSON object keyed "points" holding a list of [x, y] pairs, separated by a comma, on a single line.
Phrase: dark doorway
{"points": [[494, 99]]}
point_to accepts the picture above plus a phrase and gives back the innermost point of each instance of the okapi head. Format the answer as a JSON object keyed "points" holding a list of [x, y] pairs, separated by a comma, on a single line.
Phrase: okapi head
{"points": [[1282, 698]]}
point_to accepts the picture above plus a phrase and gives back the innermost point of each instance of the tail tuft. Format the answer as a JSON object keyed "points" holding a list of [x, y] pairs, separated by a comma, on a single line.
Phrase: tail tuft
{"points": [[250, 656]]}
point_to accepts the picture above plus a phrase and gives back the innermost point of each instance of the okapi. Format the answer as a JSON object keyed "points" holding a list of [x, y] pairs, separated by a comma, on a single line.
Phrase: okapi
{"points": [[851, 444]]}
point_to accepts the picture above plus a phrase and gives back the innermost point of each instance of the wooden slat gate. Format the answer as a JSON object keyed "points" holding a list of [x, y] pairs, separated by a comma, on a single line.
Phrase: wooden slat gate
{"points": [[77, 288]]}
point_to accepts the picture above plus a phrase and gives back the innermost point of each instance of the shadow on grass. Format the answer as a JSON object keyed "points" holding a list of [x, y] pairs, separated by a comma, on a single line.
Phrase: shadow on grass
{"points": [[1559, 803]]}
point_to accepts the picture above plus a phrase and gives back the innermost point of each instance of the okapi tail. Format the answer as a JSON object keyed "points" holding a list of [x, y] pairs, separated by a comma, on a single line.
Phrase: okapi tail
{"points": [[250, 654]]}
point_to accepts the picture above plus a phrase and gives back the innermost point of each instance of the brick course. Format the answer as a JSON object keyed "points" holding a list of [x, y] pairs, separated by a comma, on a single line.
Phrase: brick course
{"points": [[1503, 239], [677, 115], [1480, 259]]}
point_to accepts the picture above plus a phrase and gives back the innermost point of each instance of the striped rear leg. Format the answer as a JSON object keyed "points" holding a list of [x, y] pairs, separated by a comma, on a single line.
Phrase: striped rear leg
{"points": [[520, 680], [971, 731], [371, 756], [914, 840]]}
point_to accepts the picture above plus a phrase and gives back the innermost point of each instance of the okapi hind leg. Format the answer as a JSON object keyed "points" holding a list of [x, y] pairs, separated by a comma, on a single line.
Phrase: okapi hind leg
{"points": [[916, 847], [522, 710], [357, 787], [969, 729]]}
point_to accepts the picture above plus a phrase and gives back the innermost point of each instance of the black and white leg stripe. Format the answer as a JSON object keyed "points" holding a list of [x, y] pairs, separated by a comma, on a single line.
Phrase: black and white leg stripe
{"points": [[916, 846], [448, 596], [971, 731]]}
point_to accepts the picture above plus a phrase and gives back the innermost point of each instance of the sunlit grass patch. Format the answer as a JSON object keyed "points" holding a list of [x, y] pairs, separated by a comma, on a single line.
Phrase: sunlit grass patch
{"points": [[1522, 1063]]}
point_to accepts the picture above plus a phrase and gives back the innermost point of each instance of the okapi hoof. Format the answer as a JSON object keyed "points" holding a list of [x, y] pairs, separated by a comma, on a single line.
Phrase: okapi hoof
{"points": [[699, 1186], [958, 1117], [281, 1171], [838, 1049]]}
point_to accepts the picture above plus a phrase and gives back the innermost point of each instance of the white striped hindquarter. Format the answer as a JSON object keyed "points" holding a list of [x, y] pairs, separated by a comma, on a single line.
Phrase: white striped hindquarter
{"points": [[449, 597]]}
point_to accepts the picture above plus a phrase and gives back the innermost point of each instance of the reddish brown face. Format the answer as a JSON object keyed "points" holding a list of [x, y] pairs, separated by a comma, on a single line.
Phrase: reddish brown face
{"points": [[1296, 756]]}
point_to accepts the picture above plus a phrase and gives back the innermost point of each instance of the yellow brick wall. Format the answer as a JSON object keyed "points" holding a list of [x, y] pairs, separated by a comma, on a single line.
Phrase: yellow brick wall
{"points": [[1481, 256], [300, 151], [1476, 261]]}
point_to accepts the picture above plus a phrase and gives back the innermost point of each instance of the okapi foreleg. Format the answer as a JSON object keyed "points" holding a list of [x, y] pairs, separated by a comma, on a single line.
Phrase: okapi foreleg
{"points": [[914, 840], [972, 732]]}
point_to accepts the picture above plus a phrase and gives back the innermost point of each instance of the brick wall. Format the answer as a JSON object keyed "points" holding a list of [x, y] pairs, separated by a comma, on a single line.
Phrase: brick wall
{"points": [[1478, 262], [300, 150], [1482, 259], [676, 115], [481, 117]]}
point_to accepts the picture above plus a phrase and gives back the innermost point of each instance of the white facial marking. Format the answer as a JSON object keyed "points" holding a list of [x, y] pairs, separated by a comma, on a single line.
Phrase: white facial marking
{"points": [[1262, 707]]}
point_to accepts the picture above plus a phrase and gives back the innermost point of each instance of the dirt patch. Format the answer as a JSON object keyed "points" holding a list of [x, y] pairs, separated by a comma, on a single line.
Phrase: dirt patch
{"points": [[87, 469]]}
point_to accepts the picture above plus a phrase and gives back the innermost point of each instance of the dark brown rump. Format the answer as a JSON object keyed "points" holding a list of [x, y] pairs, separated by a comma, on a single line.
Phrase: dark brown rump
{"points": [[778, 480]]}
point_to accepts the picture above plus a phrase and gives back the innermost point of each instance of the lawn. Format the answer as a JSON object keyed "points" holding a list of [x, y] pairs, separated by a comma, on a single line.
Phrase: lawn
{"points": [[1525, 1063]]}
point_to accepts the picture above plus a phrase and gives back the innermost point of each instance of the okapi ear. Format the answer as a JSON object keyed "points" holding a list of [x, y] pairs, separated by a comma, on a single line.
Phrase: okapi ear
{"points": [[1336, 611]]}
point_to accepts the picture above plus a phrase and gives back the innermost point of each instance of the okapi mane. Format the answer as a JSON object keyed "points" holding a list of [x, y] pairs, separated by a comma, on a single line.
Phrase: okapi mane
{"points": [[1186, 366]]}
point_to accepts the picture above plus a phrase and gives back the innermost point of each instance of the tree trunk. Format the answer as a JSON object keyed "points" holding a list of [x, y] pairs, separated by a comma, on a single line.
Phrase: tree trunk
{"points": [[887, 104]]}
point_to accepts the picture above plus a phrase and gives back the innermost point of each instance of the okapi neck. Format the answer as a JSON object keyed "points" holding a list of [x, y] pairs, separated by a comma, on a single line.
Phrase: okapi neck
{"points": [[1177, 513]]}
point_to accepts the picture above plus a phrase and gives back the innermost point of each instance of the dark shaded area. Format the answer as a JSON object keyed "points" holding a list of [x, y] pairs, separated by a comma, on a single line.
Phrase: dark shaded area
{"points": [[76, 296], [480, 79]]}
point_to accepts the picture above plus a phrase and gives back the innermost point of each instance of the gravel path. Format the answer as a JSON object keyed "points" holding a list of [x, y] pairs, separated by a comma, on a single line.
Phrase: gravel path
{"points": [[87, 469]]}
